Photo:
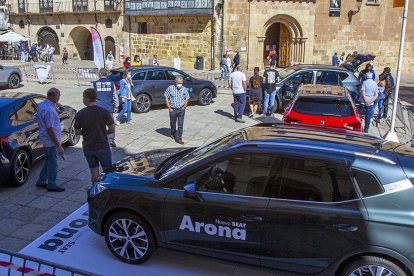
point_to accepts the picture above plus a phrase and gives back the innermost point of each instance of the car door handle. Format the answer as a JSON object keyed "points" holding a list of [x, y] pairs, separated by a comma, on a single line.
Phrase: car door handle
{"points": [[346, 227], [251, 218]]}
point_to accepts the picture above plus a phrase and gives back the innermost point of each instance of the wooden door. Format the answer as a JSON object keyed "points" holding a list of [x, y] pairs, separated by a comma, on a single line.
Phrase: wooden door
{"points": [[284, 47]]}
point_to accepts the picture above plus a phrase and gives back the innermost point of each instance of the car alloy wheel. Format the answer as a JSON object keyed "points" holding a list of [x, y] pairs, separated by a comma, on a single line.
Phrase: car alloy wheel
{"points": [[21, 167], [143, 103], [129, 238], [374, 270], [73, 137], [14, 81], [206, 96]]}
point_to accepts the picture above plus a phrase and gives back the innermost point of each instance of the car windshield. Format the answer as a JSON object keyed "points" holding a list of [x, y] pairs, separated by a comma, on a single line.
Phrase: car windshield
{"points": [[285, 72], [324, 107], [221, 144]]}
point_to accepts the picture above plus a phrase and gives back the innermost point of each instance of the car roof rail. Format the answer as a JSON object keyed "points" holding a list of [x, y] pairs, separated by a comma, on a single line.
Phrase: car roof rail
{"points": [[291, 144]]}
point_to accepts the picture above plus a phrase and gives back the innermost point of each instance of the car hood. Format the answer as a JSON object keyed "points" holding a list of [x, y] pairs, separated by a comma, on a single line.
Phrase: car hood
{"points": [[353, 62], [143, 163]]}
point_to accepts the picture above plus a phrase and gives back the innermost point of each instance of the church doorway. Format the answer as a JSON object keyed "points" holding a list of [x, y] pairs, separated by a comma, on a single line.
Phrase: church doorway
{"points": [[279, 39]]}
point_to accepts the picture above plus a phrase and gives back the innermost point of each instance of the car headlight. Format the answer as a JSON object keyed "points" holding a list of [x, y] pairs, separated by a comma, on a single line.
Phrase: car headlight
{"points": [[96, 189]]}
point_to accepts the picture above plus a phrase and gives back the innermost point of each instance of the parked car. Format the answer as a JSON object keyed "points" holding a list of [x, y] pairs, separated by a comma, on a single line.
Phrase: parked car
{"points": [[324, 105], [150, 83], [20, 146], [292, 77], [10, 76], [302, 198]]}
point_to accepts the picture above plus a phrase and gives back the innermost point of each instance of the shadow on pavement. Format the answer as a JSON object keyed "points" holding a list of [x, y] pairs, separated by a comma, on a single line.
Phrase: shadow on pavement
{"points": [[163, 131], [267, 119], [225, 114]]}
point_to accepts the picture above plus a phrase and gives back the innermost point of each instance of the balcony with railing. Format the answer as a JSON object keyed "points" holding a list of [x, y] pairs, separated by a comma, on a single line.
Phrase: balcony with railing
{"points": [[64, 6], [168, 7]]}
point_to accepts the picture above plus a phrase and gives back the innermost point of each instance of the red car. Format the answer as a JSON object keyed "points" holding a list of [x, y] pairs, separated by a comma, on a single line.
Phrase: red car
{"points": [[323, 105]]}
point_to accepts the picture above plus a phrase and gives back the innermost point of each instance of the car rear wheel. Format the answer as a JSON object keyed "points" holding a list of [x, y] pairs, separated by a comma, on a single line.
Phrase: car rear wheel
{"points": [[20, 168], [142, 104], [14, 81], [129, 238], [205, 97], [375, 266], [73, 138]]}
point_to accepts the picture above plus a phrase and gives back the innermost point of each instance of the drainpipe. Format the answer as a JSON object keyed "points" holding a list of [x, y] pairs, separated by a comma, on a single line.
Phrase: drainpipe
{"points": [[129, 37], [213, 41]]}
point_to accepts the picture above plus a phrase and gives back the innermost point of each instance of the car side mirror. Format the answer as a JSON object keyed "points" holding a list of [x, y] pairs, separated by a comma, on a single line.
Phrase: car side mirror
{"points": [[190, 191], [189, 79]]}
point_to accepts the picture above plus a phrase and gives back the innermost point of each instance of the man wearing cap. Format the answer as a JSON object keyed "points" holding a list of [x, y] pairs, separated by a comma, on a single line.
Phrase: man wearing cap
{"points": [[369, 95], [107, 98]]}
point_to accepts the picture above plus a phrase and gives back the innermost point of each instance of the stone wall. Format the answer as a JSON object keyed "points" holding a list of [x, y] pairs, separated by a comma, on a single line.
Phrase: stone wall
{"points": [[173, 37], [375, 29]]}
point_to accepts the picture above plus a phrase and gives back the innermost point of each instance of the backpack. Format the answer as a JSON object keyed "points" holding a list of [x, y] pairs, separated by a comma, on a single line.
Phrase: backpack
{"points": [[256, 83]]}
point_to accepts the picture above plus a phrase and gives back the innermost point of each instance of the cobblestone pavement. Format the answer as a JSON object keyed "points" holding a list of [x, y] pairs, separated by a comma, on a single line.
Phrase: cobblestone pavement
{"points": [[27, 212]]}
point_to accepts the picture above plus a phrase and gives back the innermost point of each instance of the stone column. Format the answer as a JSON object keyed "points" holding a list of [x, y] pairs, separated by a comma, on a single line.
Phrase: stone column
{"points": [[257, 56]]}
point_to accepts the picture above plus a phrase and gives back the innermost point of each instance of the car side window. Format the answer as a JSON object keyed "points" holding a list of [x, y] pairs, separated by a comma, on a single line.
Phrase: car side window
{"points": [[315, 180], [327, 78], [24, 112], [367, 182], [302, 78], [38, 100], [171, 75], [156, 75], [240, 175], [140, 76]]}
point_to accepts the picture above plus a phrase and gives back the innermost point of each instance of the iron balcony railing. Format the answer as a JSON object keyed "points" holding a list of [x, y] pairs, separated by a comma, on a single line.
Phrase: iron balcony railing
{"points": [[63, 6]]}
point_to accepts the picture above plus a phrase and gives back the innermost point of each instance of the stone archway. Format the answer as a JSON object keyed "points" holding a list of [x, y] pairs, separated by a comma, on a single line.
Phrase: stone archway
{"points": [[47, 35], [109, 46], [82, 40], [290, 40]]}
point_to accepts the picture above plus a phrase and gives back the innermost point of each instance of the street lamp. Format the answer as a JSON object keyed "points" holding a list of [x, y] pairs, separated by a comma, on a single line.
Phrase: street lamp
{"points": [[352, 12]]}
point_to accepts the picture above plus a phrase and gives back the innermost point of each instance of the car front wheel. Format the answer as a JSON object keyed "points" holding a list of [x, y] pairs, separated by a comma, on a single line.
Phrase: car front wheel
{"points": [[14, 81], [129, 238], [142, 103], [205, 97], [20, 168], [371, 265]]}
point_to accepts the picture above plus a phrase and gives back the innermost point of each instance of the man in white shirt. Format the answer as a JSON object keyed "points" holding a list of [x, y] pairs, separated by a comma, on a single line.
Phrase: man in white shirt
{"points": [[238, 84], [369, 95]]}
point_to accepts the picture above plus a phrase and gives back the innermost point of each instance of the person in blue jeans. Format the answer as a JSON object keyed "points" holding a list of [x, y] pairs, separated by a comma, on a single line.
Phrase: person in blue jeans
{"points": [[380, 99], [369, 96], [125, 93], [50, 136], [238, 85], [224, 68], [270, 78]]}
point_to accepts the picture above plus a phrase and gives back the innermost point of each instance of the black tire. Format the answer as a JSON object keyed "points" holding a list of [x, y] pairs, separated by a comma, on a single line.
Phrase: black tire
{"points": [[205, 97], [20, 168], [142, 104], [14, 81], [362, 263], [73, 138], [145, 244]]}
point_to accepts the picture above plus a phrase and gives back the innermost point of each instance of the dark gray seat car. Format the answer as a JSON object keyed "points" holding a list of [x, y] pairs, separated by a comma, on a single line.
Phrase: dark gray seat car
{"points": [[150, 83], [292, 77], [10, 76]]}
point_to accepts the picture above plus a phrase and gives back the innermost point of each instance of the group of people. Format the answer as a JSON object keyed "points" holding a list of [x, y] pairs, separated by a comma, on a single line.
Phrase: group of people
{"points": [[228, 65], [137, 61], [239, 85], [374, 94], [96, 124]]}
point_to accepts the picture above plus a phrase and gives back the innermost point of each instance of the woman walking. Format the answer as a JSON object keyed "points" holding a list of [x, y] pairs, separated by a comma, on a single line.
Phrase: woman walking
{"points": [[255, 97], [125, 93], [127, 62], [65, 56], [137, 61]]}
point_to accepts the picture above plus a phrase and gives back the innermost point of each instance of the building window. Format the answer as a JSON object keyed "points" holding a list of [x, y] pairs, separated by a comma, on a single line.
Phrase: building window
{"points": [[108, 23], [46, 5], [21, 24], [109, 5], [142, 28], [80, 5], [373, 2], [22, 8]]}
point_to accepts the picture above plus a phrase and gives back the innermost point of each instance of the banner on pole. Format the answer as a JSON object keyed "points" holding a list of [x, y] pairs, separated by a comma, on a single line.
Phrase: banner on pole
{"points": [[98, 56]]}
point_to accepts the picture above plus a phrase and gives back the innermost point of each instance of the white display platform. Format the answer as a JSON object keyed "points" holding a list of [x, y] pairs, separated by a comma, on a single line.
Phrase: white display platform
{"points": [[79, 247]]}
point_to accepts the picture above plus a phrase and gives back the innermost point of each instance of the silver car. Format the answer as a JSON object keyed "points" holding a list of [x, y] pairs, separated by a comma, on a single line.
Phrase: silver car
{"points": [[10, 76]]}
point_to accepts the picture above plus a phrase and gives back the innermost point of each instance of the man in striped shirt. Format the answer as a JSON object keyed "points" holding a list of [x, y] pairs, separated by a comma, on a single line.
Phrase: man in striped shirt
{"points": [[176, 99]]}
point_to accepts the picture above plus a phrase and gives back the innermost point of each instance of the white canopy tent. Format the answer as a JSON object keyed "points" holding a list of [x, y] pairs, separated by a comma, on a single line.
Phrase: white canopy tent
{"points": [[12, 37]]}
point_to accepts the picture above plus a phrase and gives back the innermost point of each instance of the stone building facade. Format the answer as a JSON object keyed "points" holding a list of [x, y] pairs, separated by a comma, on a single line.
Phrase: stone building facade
{"points": [[302, 31]]}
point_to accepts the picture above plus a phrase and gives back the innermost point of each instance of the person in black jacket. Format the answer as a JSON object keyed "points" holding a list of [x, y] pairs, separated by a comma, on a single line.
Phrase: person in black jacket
{"points": [[107, 98], [389, 88], [236, 60]]}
